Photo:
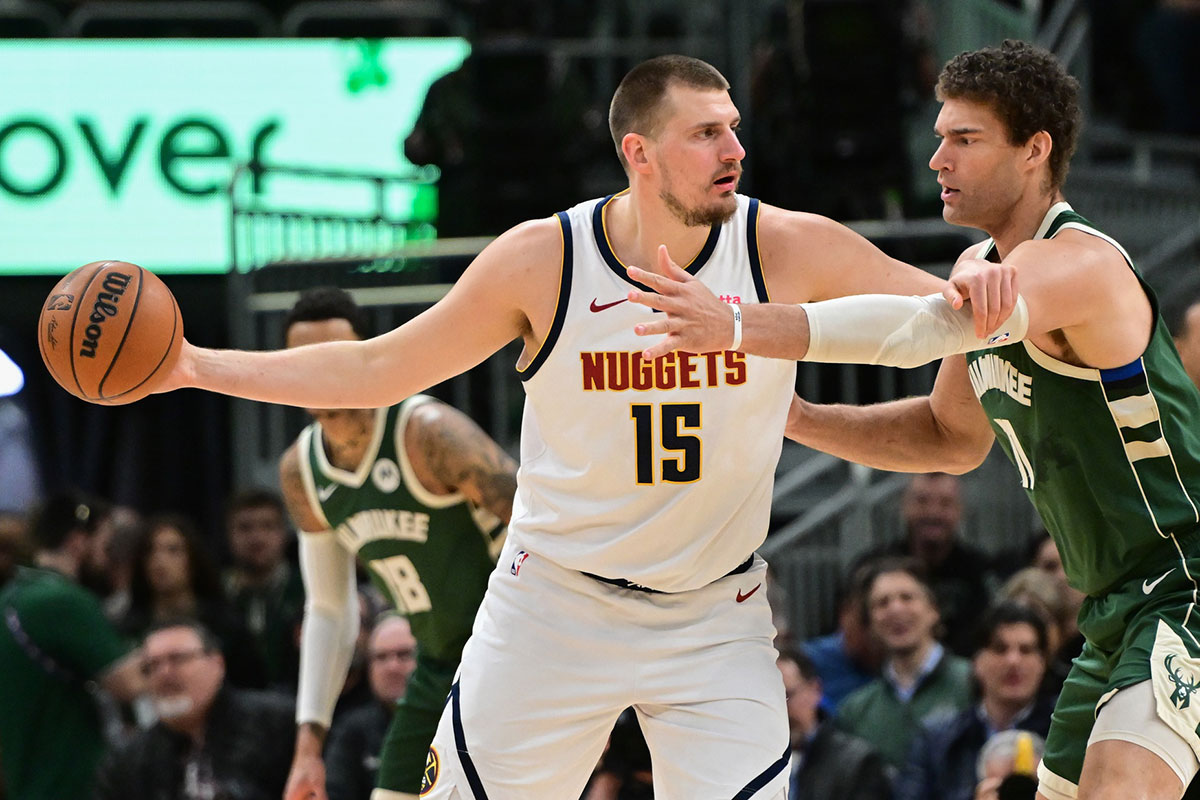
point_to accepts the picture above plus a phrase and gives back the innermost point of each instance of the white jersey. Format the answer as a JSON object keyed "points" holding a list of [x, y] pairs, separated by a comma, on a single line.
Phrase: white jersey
{"points": [[659, 473]]}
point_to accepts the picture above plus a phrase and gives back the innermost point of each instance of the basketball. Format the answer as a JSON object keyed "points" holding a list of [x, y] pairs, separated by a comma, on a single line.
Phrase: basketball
{"points": [[109, 332]]}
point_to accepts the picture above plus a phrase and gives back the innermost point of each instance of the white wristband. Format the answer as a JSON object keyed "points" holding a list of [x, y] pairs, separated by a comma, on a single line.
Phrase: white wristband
{"points": [[737, 326]]}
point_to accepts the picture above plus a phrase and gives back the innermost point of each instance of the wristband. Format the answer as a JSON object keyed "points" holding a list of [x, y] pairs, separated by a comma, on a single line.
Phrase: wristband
{"points": [[737, 326]]}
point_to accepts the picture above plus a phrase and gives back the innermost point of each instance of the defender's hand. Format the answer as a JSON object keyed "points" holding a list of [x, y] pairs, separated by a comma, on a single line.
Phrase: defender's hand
{"points": [[991, 289], [694, 319]]}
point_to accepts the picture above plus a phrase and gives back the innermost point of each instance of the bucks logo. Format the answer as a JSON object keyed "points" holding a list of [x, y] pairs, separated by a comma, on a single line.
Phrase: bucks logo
{"points": [[1184, 687]]}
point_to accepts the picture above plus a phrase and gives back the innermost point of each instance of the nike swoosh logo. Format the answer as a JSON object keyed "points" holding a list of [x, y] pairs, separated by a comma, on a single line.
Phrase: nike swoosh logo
{"points": [[741, 598], [601, 306], [325, 492], [1148, 586]]}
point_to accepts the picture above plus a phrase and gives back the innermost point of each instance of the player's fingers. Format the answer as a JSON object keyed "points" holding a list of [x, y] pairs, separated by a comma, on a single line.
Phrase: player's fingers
{"points": [[952, 295], [659, 283], [652, 328], [670, 268], [1008, 296], [648, 299], [661, 348], [984, 295]]}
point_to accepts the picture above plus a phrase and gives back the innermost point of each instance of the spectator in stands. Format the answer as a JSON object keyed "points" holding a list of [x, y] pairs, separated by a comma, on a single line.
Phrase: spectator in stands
{"points": [[920, 682], [55, 646], [212, 741], [174, 577], [1008, 665], [352, 753], [960, 575], [1007, 766], [117, 538], [263, 586], [1046, 558], [1187, 341], [15, 549], [507, 105], [848, 658], [1038, 592], [826, 763]]}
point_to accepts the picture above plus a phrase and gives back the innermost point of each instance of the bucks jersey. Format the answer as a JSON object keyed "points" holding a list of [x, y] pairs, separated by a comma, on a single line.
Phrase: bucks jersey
{"points": [[657, 472], [430, 554], [1110, 458]]}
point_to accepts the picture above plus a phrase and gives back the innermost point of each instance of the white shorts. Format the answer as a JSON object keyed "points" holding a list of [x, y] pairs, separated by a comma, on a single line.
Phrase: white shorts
{"points": [[554, 658]]}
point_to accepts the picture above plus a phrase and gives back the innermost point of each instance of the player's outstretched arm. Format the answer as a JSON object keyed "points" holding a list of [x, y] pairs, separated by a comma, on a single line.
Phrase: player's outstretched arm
{"points": [[808, 259], [944, 432], [462, 458], [890, 330], [490, 305], [326, 635]]}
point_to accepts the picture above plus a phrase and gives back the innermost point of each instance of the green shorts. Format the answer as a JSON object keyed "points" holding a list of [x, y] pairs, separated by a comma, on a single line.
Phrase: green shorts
{"points": [[1146, 629], [406, 745]]}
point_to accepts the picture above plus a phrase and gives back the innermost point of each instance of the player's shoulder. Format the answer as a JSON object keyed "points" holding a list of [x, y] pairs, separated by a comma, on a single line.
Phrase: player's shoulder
{"points": [[781, 223], [535, 241], [1079, 248]]}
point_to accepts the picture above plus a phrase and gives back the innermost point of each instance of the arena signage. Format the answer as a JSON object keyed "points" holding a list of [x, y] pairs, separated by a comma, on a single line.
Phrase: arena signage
{"points": [[122, 149]]}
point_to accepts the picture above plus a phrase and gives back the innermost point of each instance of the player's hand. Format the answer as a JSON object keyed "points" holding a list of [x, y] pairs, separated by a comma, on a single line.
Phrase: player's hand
{"points": [[306, 781], [991, 289], [694, 319], [183, 374]]}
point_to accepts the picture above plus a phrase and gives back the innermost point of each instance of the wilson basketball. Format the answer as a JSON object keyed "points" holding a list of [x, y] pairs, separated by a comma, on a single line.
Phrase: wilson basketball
{"points": [[110, 332]]}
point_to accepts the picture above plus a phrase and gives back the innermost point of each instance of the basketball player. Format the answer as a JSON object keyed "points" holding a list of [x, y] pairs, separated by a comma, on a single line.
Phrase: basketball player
{"points": [[421, 496], [629, 576], [1093, 407]]}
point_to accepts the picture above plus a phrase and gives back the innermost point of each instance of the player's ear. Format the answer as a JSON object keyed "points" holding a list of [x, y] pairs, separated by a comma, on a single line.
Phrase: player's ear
{"points": [[1038, 148], [634, 145]]}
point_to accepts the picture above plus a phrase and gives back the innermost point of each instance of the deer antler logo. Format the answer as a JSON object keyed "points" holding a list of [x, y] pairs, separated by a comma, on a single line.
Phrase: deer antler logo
{"points": [[1184, 687]]}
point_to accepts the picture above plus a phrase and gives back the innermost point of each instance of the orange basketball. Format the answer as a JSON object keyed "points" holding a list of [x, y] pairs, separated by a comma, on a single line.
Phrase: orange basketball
{"points": [[110, 332]]}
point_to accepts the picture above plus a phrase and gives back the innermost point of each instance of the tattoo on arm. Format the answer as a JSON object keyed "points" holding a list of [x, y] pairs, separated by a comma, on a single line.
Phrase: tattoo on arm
{"points": [[466, 460]]}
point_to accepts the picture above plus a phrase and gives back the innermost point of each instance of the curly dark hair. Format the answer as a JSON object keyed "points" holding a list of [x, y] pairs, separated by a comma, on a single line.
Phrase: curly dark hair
{"points": [[1029, 89]]}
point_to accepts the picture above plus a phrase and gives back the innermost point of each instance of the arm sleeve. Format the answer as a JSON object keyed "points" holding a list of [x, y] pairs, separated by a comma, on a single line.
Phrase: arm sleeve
{"points": [[898, 331], [330, 625]]}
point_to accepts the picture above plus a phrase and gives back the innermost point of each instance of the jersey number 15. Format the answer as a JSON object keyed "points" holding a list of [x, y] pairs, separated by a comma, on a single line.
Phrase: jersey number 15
{"points": [[674, 418]]}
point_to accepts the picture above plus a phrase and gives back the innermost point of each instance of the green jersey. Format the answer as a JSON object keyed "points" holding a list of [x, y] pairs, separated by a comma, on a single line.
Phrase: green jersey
{"points": [[1111, 457], [54, 642], [430, 554]]}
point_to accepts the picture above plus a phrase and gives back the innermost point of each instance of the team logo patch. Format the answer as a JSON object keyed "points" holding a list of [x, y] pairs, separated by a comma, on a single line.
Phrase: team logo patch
{"points": [[386, 475], [1185, 684], [1175, 678], [432, 768], [515, 569]]}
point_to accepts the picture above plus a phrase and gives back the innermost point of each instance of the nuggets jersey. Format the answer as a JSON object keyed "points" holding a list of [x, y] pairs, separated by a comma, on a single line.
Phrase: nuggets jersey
{"points": [[1110, 458], [660, 472], [430, 554]]}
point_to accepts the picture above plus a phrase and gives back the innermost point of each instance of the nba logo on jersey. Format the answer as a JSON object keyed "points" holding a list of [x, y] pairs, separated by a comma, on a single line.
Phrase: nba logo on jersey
{"points": [[1000, 338], [515, 569]]}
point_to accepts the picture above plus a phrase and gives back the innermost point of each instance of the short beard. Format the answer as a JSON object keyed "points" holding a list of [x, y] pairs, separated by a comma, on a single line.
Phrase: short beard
{"points": [[173, 706], [696, 217]]}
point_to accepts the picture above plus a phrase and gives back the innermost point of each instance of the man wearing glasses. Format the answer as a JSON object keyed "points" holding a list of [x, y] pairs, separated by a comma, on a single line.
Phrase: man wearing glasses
{"points": [[212, 741]]}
